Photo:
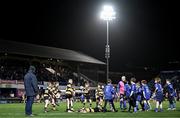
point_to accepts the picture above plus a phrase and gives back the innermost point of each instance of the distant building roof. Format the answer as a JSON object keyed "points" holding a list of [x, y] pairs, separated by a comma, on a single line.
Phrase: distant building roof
{"points": [[45, 51]]}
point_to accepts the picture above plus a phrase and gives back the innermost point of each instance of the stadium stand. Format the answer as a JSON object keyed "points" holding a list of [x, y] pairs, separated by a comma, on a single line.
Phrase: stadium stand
{"points": [[16, 57]]}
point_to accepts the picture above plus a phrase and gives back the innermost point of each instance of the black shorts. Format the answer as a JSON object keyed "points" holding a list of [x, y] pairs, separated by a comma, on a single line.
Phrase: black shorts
{"points": [[46, 98], [100, 97], [132, 100], [69, 96], [126, 97], [87, 97], [122, 96], [171, 99]]}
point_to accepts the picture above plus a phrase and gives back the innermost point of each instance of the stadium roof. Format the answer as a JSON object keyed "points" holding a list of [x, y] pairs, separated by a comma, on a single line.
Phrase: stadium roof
{"points": [[45, 51]]}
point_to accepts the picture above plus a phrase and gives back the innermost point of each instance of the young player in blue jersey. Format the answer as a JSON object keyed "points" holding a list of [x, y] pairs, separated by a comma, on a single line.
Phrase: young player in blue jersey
{"points": [[109, 95], [171, 95], [158, 94], [146, 95], [139, 95], [132, 102], [127, 91]]}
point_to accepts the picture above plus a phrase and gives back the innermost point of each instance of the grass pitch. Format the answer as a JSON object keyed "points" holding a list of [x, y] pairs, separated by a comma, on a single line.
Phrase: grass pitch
{"points": [[17, 111]]}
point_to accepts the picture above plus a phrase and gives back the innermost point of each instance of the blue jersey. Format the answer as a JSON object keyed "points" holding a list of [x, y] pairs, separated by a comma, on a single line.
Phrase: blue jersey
{"points": [[109, 92], [133, 88], [127, 89], [159, 92], [170, 90], [138, 90], [139, 93], [146, 91], [158, 87]]}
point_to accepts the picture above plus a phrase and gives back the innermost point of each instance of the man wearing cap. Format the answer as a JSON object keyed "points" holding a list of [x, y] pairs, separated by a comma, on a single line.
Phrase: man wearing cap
{"points": [[31, 89]]}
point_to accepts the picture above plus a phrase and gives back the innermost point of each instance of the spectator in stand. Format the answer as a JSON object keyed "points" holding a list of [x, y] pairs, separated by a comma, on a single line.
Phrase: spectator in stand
{"points": [[31, 88]]}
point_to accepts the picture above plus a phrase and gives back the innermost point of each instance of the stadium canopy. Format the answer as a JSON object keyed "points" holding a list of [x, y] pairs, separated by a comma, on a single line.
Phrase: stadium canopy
{"points": [[27, 49]]}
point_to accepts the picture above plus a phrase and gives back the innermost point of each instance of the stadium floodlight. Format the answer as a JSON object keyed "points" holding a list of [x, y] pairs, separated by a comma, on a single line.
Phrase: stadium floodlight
{"points": [[107, 14]]}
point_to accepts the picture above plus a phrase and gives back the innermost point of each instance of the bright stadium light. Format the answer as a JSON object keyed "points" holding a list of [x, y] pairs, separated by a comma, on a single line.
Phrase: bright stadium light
{"points": [[107, 14]]}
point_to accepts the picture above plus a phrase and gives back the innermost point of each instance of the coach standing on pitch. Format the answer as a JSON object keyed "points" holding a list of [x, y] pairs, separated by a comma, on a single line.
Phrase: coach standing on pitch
{"points": [[31, 89]]}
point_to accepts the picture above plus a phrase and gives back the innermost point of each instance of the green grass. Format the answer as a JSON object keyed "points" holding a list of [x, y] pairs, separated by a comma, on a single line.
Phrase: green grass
{"points": [[17, 111]]}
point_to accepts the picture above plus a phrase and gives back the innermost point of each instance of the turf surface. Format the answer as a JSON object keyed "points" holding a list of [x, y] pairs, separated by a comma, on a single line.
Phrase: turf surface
{"points": [[17, 111]]}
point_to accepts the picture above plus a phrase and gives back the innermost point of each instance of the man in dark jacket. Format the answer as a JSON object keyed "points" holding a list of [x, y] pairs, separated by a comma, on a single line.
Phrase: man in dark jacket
{"points": [[31, 89]]}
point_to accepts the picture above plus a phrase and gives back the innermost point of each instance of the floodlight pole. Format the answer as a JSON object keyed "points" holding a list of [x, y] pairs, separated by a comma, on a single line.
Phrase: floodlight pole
{"points": [[107, 52], [107, 14]]}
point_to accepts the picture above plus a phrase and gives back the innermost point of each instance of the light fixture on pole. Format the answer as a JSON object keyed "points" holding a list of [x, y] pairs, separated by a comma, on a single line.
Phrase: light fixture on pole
{"points": [[107, 14]]}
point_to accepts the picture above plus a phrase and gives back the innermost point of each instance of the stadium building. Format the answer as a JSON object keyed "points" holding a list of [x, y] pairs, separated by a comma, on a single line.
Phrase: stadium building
{"points": [[53, 64]]}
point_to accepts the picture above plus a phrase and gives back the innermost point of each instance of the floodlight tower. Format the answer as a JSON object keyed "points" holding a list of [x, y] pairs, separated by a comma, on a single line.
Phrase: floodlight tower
{"points": [[108, 14]]}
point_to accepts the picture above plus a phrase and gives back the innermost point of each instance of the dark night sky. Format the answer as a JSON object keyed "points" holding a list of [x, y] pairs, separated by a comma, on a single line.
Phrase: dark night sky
{"points": [[143, 33]]}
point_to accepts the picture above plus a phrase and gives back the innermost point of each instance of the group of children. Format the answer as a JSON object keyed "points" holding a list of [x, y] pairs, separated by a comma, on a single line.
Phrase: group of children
{"points": [[135, 94], [85, 97], [139, 93]]}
